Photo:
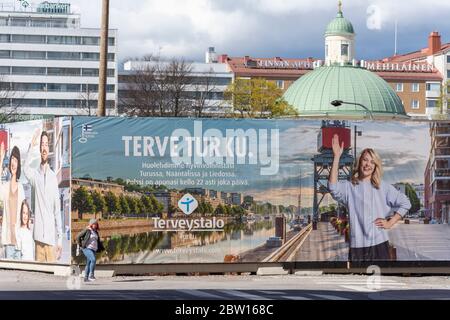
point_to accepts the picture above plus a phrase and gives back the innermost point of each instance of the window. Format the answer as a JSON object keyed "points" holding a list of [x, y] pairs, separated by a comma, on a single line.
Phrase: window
{"points": [[95, 41], [90, 72], [64, 103], [40, 55], [5, 54], [344, 50], [39, 23], [63, 55], [326, 51], [71, 72], [18, 22], [280, 84], [91, 41], [448, 59], [433, 87], [415, 104], [399, 87], [91, 56], [62, 87], [91, 88], [29, 103], [5, 70], [28, 71], [415, 87], [21, 38], [29, 86], [431, 103], [5, 38], [58, 23], [64, 40]]}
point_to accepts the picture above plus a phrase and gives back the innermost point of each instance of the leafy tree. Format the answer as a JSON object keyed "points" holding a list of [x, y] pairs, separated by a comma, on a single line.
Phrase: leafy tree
{"points": [[220, 210], [82, 201], [99, 202], [258, 97], [157, 206], [112, 204], [124, 205], [132, 204], [147, 206], [413, 198]]}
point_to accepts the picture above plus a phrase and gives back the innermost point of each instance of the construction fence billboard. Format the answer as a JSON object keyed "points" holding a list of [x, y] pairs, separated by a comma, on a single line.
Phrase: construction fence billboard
{"points": [[180, 191]]}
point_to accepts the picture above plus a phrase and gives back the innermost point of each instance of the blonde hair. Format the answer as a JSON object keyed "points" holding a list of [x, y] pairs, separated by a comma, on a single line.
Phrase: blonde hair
{"points": [[377, 173]]}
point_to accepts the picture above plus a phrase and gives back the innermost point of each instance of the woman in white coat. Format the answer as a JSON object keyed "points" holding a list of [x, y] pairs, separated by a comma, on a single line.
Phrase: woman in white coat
{"points": [[12, 195]]}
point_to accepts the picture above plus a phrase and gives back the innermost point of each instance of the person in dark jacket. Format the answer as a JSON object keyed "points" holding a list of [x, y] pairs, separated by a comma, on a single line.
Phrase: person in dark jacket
{"points": [[89, 241]]}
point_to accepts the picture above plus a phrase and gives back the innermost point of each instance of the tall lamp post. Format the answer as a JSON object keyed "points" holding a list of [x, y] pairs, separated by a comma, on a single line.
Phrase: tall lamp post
{"points": [[103, 72], [338, 103]]}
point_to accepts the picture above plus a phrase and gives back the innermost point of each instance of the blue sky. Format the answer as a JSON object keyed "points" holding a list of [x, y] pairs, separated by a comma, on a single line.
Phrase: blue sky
{"points": [[265, 28]]}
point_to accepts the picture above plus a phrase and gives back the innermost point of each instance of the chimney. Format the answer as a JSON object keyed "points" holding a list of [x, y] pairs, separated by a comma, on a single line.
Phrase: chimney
{"points": [[434, 43], [223, 58]]}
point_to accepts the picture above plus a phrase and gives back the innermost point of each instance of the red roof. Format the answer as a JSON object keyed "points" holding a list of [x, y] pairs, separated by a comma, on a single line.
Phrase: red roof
{"points": [[257, 67], [248, 67], [416, 55], [425, 76]]}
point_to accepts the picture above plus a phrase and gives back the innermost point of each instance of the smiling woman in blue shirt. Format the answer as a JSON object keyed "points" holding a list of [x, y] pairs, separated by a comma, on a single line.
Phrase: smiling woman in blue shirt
{"points": [[373, 205]]}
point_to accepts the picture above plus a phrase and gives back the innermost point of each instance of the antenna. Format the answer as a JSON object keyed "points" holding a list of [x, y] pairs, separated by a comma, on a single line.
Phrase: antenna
{"points": [[396, 38]]}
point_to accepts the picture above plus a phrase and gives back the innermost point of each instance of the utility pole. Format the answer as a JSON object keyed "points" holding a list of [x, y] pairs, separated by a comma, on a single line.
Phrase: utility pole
{"points": [[103, 72]]}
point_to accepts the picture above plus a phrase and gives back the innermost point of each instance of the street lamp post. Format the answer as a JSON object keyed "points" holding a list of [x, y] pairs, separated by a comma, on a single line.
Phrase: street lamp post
{"points": [[103, 72], [338, 103], [356, 134]]}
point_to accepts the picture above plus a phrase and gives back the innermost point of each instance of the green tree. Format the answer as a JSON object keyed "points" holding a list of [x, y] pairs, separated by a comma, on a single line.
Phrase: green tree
{"points": [[158, 207], [99, 202], [258, 98], [413, 198], [133, 205], [146, 204], [112, 204], [124, 205], [82, 201], [220, 210]]}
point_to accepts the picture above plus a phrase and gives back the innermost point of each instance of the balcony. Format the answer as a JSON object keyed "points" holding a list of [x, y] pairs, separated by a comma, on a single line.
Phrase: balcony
{"points": [[442, 131], [442, 174], [442, 152], [433, 94]]}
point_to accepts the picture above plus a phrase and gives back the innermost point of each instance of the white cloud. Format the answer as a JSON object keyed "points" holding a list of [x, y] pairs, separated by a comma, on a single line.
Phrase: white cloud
{"points": [[257, 27]]}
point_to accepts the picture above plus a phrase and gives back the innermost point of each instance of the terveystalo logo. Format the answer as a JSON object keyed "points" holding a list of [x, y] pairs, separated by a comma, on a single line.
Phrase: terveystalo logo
{"points": [[188, 204]]}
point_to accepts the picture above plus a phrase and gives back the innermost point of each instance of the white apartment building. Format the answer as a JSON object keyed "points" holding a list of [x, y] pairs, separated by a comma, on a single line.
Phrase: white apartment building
{"points": [[208, 78], [50, 63]]}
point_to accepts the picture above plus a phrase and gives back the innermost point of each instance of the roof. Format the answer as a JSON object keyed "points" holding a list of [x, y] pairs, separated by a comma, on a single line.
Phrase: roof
{"points": [[312, 94], [339, 26], [261, 67], [413, 76], [417, 55]]}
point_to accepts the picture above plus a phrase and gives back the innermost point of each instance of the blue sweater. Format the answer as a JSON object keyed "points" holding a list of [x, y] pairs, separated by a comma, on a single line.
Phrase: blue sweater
{"points": [[366, 204]]}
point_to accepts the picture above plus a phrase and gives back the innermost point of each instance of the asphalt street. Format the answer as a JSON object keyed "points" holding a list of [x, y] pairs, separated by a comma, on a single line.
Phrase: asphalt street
{"points": [[38, 286]]}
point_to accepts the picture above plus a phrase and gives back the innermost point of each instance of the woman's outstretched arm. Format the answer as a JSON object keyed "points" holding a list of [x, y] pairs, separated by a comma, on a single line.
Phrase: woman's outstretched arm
{"points": [[338, 150]]}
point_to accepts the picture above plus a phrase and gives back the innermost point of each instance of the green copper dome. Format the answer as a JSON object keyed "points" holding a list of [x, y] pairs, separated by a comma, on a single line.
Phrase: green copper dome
{"points": [[313, 93], [339, 26]]}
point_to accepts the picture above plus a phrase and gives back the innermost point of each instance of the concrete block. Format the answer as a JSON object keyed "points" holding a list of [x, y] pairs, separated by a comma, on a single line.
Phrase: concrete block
{"points": [[309, 273], [102, 273], [276, 271]]}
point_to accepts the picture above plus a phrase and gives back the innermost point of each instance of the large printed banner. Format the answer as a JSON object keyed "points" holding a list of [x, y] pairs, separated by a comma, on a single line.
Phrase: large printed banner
{"points": [[35, 161], [232, 191]]}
